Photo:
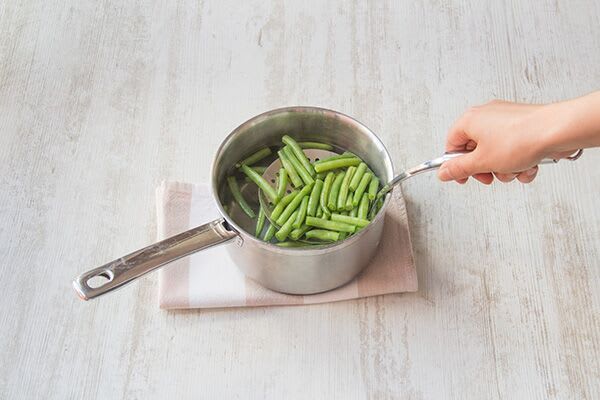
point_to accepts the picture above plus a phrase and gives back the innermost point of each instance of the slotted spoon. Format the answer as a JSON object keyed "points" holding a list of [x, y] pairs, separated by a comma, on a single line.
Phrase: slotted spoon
{"points": [[271, 175], [272, 171]]}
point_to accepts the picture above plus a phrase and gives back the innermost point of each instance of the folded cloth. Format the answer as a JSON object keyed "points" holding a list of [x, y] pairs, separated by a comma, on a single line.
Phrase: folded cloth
{"points": [[209, 278]]}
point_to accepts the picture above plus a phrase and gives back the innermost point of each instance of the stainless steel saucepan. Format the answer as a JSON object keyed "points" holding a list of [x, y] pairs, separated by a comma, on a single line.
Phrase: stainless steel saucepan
{"points": [[289, 270]]}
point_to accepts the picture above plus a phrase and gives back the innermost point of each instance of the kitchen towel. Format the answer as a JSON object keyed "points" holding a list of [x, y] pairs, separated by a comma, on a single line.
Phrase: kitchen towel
{"points": [[210, 279]]}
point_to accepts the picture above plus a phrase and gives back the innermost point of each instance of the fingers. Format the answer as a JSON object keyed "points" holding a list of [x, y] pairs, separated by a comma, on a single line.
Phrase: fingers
{"points": [[471, 145], [456, 140], [459, 168], [528, 175], [506, 178], [457, 136], [523, 177], [486, 178], [450, 172]]}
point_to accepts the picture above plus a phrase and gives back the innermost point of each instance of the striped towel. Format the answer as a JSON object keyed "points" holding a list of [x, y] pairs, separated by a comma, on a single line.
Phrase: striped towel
{"points": [[210, 278]]}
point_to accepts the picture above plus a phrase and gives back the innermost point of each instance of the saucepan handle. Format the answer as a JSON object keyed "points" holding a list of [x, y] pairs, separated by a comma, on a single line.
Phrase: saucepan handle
{"points": [[127, 268]]}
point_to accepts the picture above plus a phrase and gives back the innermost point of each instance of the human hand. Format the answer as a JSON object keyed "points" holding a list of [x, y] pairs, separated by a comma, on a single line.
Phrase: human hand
{"points": [[507, 140]]}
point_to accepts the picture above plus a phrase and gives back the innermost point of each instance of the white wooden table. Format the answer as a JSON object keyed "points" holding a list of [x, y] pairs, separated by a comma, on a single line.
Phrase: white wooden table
{"points": [[100, 101]]}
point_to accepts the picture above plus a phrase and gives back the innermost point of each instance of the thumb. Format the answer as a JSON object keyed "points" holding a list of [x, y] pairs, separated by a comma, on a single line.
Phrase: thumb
{"points": [[459, 168]]}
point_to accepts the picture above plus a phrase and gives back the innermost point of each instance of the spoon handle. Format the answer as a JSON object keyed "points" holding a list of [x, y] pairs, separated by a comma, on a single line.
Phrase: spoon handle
{"points": [[437, 162]]}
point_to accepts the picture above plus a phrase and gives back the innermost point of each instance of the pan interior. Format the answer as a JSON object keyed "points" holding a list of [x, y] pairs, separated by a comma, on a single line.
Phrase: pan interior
{"points": [[254, 197], [303, 124], [271, 174]]}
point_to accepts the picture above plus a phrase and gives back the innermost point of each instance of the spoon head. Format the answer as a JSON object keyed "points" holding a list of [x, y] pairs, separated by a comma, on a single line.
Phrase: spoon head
{"points": [[271, 175]]}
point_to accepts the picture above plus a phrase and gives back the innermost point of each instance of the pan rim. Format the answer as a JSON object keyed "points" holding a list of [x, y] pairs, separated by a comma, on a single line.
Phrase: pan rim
{"points": [[297, 250]]}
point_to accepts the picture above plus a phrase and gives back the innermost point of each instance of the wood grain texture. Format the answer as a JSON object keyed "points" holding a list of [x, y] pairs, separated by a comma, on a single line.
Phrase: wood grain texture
{"points": [[101, 100]]}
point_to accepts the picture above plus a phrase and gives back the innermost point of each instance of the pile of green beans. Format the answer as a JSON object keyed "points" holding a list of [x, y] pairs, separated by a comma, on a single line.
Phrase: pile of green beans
{"points": [[330, 201]]}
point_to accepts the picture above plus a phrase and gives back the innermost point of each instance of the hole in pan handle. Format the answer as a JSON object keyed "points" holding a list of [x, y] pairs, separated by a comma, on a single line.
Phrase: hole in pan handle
{"points": [[121, 271]]}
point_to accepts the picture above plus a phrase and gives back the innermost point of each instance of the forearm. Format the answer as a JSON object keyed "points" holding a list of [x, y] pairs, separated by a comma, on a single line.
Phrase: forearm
{"points": [[577, 123]]}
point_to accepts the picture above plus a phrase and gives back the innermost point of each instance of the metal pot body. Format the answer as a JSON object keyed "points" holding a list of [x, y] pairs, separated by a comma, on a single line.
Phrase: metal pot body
{"points": [[301, 270], [306, 271]]}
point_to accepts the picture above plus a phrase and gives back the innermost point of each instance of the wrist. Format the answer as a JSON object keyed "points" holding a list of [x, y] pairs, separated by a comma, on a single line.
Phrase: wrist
{"points": [[573, 124], [559, 127]]}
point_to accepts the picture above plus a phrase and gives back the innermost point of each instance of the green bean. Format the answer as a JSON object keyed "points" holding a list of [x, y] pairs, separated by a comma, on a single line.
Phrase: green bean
{"points": [[326, 189], [360, 171], [336, 157], [282, 182], [286, 227], [375, 209], [289, 167], [380, 204], [315, 145], [349, 206], [254, 158], [335, 164], [261, 183], [350, 220], [301, 213], [300, 169], [319, 212], [283, 204], [329, 225], [322, 234], [335, 190], [237, 195], [342, 184], [363, 207], [361, 188], [313, 203], [269, 233], [343, 194], [382, 192], [293, 205], [298, 232], [260, 223], [292, 244], [349, 175], [259, 170], [372, 212], [297, 150], [373, 186]]}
